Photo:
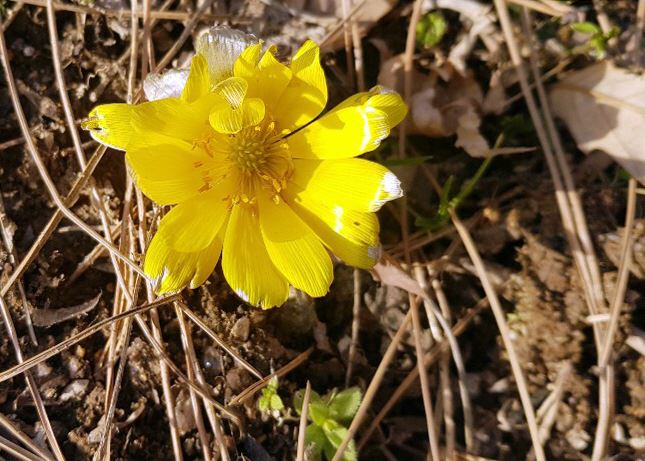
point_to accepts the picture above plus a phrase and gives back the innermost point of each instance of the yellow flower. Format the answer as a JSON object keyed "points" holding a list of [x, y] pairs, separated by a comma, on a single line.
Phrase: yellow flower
{"points": [[235, 144]]}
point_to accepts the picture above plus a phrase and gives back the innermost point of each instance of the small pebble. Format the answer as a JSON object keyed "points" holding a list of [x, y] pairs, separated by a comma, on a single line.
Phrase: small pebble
{"points": [[241, 329], [74, 390]]}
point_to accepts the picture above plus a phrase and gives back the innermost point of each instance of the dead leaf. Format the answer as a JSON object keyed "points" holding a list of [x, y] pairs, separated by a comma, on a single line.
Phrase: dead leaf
{"points": [[468, 136], [49, 317], [604, 108], [365, 17], [389, 274]]}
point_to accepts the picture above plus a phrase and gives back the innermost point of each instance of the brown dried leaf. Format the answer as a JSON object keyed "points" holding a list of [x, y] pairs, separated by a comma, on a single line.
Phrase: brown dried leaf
{"points": [[388, 274], [49, 317], [604, 108]]}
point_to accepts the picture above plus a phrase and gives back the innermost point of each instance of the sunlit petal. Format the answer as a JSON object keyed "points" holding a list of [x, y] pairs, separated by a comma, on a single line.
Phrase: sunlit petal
{"points": [[306, 95], [246, 263], [353, 183], [294, 249]]}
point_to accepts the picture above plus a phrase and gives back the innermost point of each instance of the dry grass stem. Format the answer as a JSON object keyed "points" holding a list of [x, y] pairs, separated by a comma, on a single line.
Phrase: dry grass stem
{"points": [[356, 326], [259, 385], [13, 259], [302, 425], [16, 451], [505, 332], [425, 383], [31, 382], [375, 383], [428, 360], [14, 431], [80, 336]]}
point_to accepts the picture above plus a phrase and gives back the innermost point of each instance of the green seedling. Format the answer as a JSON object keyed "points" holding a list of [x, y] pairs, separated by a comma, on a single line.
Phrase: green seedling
{"points": [[448, 204], [329, 416], [430, 29], [597, 38], [269, 400]]}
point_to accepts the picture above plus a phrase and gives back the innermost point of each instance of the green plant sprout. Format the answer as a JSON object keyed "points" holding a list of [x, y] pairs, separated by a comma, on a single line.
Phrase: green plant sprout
{"points": [[329, 416], [447, 204], [431, 29], [597, 38], [270, 401]]}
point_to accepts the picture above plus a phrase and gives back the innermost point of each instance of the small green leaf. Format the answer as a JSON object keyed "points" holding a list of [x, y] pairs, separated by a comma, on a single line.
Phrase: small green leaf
{"points": [[316, 437], [263, 403], [586, 28], [335, 435], [343, 406], [431, 29], [273, 384], [318, 412], [299, 397], [276, 402]]}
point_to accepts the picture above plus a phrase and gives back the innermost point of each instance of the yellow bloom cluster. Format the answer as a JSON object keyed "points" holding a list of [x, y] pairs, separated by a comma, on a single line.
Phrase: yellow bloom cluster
{"points": [[237, 145]]}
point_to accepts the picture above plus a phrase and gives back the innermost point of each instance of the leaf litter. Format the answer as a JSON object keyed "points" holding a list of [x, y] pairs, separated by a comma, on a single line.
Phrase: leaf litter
{"points": [[463, 93]]}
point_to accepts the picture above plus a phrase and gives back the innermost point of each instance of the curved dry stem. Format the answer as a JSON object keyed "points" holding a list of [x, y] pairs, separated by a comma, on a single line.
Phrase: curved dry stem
{"points": [[75, 339], [220, 342], [428, 360], [425, 384], [370, 392], [11, 428], [505, 333]]}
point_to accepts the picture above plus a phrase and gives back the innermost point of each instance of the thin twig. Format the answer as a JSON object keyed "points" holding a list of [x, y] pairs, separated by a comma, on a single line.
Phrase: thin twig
{"points": [[13, 259], [505, 333], [623, 275], [49, 228], [370, 392], [16, 451], [11, 428], [302, 426], [220, 342], [191, 365], [80, 336], [259, 385], [425, 384], [356, 326], [413, 375], [121, 13], [31, 382]]}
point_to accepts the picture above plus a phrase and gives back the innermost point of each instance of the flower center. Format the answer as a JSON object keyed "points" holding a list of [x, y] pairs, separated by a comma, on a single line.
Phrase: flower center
{"points": [[249, 154], [258, 156]]}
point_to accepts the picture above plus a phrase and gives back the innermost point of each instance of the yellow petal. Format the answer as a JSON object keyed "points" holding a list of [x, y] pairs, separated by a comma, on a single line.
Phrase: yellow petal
{"points": [[192, 225], [269, 80], [306, 95], [110, 124], [341, 133], [233, 90], [351, 235], [229, 120], [380, 98], [246, 263], [199, 81], [246, 64], [171, 173], [171, 117], [294, 249], [353, 183], [172, 270]]}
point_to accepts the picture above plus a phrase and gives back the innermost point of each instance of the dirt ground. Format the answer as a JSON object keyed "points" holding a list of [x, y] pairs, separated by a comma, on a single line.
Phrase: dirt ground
{"points": [[512, 214]]}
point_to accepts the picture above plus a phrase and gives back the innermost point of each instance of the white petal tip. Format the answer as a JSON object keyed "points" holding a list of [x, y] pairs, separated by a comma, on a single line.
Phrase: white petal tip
{"points": [[389, 189], [374, 252], [242, 295]]}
